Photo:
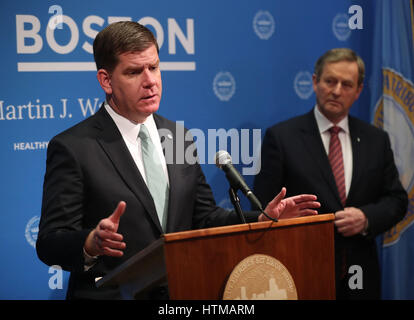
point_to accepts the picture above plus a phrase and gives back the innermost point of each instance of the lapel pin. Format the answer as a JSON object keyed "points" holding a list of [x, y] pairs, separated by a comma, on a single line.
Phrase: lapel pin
{"points": [[358, 139]]}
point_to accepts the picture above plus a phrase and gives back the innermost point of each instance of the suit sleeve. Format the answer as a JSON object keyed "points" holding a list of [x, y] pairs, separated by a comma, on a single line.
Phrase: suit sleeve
{"points": [[392, 204], [61, 237]]}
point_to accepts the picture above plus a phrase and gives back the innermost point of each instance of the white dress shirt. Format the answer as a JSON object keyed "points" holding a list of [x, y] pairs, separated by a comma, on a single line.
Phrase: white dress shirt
{"points": [[344, 136], [129, 131]]}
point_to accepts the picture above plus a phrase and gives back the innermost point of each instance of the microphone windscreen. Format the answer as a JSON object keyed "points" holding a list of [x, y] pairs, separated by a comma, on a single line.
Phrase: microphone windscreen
{"points": [[222, 158]]}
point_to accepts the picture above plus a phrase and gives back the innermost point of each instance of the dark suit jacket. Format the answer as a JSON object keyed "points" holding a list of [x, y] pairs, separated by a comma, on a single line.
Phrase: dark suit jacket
{"points": [[293, 156], [88, 171]]}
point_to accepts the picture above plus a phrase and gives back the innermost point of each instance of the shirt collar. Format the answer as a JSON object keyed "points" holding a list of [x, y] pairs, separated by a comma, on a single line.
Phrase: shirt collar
{"points": [[129, 129], [324, 124]]}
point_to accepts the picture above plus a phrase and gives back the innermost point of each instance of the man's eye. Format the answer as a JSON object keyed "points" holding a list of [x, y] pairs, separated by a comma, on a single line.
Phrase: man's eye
{"points": [[133, 72]]}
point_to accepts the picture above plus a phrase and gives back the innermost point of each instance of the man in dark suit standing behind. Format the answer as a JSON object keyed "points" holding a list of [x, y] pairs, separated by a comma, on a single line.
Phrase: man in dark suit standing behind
{"points": [[109, 189], [346, 163]]}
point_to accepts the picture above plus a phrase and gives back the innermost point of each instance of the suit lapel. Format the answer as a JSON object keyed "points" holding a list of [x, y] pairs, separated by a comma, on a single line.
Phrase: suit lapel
{"points": [[114, 146], [313, 143], [357, 140]]}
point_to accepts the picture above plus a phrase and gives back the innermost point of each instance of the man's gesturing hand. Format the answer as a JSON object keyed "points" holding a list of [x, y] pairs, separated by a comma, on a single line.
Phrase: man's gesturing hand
{"points": [[292, 207], [104, 239]]}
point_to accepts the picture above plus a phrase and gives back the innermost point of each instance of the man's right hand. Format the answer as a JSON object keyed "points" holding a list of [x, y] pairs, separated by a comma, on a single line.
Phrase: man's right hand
{"points": [[104, 239], [292, 207]]}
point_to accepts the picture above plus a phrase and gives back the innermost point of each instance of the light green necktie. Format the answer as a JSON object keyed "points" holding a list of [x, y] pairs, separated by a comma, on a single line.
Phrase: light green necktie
{"points": [[155, 176]]}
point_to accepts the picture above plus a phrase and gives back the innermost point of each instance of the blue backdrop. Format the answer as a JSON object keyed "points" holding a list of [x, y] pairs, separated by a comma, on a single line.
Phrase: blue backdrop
{"points": [[228, 65]]}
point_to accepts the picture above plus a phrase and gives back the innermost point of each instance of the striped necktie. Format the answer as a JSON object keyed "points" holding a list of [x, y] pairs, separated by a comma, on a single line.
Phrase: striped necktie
{"points": [[155, 176], [337, 162]]}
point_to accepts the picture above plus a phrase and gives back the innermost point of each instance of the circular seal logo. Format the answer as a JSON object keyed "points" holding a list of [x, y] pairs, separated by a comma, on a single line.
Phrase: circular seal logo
{"points": [[260, 277], [400, 129], [263, 25], [303, 84], [31, 231], [340, 27], [224, 86], [394, 113]]}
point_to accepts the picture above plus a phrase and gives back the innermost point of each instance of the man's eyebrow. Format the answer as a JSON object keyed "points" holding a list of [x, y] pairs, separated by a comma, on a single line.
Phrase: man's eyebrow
{"points": [[140, 66]]}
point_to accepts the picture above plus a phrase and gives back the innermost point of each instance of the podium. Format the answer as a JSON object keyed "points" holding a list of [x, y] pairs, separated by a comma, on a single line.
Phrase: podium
{"points": [[197, 264]]}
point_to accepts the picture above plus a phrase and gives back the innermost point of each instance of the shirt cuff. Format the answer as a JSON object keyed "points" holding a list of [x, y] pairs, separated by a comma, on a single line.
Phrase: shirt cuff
{"points": [[90, 261], [365, 231]]}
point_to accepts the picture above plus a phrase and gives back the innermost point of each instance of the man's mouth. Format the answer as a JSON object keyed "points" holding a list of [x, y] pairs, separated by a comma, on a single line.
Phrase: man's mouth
{"points": [[148, 97], [335, 102]]}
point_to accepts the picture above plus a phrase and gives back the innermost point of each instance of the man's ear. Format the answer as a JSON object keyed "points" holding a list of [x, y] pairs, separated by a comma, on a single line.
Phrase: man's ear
{"points": [[314, 82], [361, 86], [104, 79]]}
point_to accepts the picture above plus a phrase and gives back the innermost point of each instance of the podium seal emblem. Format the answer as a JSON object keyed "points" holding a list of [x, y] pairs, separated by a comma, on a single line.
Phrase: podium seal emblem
{"points": [[260, 277]]}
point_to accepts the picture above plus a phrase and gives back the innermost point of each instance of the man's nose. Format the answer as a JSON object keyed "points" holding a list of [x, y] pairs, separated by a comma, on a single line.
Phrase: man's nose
{"points": [[337, 89], [149, 78]]}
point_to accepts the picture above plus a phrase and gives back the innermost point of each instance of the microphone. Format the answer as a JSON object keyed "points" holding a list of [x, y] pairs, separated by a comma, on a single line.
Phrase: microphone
{"points": [[224, 162]]}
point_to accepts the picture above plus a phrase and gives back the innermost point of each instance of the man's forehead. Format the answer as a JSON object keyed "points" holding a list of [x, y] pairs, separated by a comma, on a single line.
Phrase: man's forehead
{"points": [[341, 68], [343, 65], [146, 56]]}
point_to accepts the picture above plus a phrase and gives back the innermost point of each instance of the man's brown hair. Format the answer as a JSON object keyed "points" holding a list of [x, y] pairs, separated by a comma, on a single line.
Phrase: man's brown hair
{"points": [[337, 55], [118, 38]]}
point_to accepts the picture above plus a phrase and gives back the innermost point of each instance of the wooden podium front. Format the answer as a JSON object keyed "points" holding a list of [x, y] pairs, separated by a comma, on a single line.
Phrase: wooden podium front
{"points": [[197, 264]]}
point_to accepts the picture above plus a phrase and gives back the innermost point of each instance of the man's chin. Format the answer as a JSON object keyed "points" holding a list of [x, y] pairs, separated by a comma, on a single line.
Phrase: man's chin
{"points": [[154, 108], [149, 107], [334, 109]]}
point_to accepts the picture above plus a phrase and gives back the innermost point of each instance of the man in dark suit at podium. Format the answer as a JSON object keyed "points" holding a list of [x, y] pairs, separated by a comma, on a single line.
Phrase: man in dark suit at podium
{"points": [[109, 189], [346, 163]]}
